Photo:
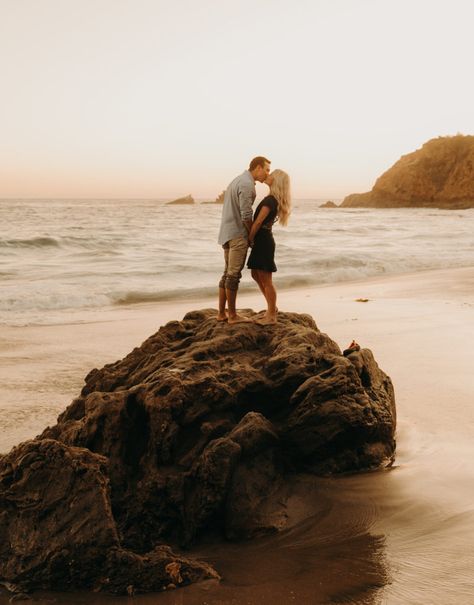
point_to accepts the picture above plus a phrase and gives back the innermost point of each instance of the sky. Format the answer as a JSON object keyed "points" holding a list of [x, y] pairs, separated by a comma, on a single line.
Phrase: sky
{"points": [[158, 99]]}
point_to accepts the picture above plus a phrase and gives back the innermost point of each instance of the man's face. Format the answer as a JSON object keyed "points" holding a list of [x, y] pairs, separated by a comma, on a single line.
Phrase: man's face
{"points": [[262, 172], [269, 180]]}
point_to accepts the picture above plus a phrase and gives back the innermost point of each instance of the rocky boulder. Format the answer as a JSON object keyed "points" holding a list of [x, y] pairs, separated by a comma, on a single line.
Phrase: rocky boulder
{"points": [[57, 528], [194, 433], [439, 175]]}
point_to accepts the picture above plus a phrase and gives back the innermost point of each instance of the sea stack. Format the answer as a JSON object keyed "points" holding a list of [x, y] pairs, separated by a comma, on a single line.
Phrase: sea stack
{"points": [[439, 175], [220, 198], [188, 199], [199, 431]]}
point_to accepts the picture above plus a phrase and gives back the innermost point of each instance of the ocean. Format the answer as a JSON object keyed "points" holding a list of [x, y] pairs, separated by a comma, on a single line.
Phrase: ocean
{"points": [[62, 258]]}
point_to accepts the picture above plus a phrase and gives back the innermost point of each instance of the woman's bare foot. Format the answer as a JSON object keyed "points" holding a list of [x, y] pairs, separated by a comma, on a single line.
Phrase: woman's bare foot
{"points": [[258, 315], [222, 317], [238, 319], [267, 320]]}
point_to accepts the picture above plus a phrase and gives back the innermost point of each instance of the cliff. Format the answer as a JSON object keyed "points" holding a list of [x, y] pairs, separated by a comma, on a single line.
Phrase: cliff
{"points": [[197, 432], [439, 175]]}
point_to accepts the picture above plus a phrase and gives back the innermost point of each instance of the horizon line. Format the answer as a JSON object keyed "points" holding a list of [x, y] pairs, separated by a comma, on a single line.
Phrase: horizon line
{"points": [[158, 199]]}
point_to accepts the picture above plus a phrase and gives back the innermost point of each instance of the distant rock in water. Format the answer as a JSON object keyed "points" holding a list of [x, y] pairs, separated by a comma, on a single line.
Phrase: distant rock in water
{"points": [[439, 175], [188, 199], [219, 199], [329, 204], [197, 432]]}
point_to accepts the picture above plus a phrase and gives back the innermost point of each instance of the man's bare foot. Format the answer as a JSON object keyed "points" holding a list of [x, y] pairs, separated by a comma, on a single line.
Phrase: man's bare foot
{"points": [[222, 317], [267, 320], [238, 319]]}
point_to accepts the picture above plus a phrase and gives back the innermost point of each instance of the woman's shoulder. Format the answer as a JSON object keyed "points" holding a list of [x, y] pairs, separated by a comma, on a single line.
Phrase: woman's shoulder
{"points": [[270, 200]]}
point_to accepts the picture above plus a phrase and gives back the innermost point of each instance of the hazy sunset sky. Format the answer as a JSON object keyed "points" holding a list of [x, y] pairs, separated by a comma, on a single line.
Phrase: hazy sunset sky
{"points": [[146, 98]]}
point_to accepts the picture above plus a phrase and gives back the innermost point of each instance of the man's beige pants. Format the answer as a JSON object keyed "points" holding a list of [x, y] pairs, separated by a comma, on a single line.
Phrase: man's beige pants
{"points": [[235, 253]]}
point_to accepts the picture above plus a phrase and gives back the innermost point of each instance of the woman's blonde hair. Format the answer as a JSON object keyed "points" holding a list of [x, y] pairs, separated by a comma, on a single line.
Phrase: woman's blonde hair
{"points": [[280, 189]]}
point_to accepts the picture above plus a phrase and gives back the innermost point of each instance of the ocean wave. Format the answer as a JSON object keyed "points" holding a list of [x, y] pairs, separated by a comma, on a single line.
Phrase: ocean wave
{"points": [[89, 244], [40, 302], [137, 297], [33, 242], [63, 256]]}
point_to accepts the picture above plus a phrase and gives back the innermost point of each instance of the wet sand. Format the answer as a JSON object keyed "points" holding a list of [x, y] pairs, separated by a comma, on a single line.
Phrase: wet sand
{"points": [[398, 537]]}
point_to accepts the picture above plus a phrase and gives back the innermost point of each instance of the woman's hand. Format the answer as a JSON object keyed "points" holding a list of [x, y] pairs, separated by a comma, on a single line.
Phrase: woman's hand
{"points": [[262, 215]]}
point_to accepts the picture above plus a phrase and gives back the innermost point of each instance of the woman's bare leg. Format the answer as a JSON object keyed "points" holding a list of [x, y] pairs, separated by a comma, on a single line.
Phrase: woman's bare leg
{"points": [[256, 277], [270, 316]]}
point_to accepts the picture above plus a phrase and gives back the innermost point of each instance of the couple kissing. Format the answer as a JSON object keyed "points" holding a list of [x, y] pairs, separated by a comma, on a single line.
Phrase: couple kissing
{"points": [[242, 229]]}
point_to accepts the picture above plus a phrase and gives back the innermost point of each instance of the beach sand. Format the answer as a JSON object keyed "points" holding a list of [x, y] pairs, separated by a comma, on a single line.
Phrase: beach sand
{"points": [[409, 524]]}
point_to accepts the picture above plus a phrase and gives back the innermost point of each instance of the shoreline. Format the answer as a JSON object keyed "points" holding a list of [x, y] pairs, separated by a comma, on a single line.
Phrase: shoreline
{"points": [[248, 290], [426, 317]]}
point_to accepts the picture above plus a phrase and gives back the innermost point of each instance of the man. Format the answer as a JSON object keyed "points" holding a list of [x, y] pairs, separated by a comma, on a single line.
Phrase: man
{"points": [[233, 235]]}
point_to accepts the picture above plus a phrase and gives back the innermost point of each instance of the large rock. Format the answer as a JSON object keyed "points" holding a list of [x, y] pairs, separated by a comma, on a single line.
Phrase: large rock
{"points": [[198, 431], [439, 175]]}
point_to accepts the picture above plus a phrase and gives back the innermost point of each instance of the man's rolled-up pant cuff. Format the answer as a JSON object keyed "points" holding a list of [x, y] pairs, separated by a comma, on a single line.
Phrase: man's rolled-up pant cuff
{"points": [[222, 282], [232, 283]]}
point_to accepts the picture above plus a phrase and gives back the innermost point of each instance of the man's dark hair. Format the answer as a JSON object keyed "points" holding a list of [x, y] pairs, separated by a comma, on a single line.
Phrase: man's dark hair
{"points": [[258, 161]]}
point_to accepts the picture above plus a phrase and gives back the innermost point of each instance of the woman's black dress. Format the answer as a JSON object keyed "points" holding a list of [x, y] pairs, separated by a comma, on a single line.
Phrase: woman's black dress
{"points": [[263, 252]]}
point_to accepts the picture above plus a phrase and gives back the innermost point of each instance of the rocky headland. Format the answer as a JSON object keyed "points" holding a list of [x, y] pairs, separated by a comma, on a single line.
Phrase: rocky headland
{"points": [[439, 175], [195, 434]]}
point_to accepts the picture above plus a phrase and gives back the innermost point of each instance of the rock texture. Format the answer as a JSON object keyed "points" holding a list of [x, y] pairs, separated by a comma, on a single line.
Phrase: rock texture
{"points": [[57, 528], [194, 433], [439, 175], [329, 204], [188, 199]]}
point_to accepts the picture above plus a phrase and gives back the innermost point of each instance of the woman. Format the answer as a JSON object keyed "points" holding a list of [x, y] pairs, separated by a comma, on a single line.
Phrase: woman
{"points": [[275, 207]]}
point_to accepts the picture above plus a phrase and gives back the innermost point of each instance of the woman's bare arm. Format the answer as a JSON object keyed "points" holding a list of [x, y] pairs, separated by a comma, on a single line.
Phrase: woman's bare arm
{"points": [[262, 215]]}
